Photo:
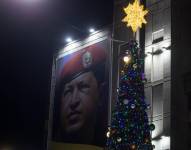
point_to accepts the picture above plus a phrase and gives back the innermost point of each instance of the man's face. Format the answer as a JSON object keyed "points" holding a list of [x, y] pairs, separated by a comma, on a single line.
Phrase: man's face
{"points": [[79, 102]]}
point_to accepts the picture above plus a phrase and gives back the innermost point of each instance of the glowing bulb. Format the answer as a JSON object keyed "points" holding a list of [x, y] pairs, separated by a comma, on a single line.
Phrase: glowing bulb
{"points": [[69, 39], [126, 59], [91, 30]]}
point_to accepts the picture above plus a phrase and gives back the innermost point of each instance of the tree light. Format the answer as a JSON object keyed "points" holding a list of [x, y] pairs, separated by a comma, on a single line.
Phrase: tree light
{"points": [[126, 59]]}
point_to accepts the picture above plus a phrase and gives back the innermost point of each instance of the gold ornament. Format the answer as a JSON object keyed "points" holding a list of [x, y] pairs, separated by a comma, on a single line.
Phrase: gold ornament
{"points": [[146, 140], [135, 15], [135, 66], [122, 72], [133, 146]]}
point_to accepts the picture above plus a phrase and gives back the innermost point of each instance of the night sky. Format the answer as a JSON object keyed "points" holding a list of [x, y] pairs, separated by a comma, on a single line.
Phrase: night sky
{"points": [[30, 33]]}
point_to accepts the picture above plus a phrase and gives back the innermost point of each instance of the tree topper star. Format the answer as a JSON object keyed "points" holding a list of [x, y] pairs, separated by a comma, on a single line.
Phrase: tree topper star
{"points": [[135, 14]]}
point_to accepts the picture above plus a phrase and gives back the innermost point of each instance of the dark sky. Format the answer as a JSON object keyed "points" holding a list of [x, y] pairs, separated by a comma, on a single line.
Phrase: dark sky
{"points": [[30, 33]]}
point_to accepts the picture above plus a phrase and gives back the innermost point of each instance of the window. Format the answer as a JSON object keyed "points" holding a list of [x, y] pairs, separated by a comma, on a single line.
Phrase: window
{"points": [[157, 67], [157, 100], [158, 36]]}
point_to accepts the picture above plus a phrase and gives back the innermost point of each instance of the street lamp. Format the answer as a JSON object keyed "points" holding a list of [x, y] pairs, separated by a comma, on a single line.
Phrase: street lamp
{"points": [[68, 39], [91, 30]]}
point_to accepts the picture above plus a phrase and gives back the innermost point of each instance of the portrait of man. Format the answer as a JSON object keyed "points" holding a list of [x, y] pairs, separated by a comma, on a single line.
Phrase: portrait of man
{"points": [[81, 97]]}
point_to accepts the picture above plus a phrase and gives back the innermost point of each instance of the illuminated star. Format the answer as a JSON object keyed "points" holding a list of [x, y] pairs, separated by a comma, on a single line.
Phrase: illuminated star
{"points": [[135, 14]]}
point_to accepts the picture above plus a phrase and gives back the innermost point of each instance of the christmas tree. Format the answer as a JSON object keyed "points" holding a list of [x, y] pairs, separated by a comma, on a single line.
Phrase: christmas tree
{"points": [[130, 128]]}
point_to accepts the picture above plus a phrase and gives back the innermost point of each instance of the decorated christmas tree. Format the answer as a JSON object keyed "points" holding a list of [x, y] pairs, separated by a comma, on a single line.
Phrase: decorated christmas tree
{"points": [[130, 128]]}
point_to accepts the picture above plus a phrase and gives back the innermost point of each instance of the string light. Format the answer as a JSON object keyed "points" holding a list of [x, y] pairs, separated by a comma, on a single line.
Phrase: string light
{"points": [[126, 59], [130, 128]]}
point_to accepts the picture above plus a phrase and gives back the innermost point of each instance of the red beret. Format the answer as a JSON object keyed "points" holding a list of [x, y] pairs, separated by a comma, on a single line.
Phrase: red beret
{"points": [[83, 61]]}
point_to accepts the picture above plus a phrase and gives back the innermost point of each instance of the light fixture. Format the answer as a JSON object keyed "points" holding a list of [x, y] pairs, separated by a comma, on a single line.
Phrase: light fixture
{"points": [[91, 30], [157, 52], [165, 142], [167, 48], [126, 59], [68, 39]]}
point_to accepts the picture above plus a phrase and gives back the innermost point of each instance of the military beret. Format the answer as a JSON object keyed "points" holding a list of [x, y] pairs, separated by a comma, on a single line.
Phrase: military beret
{"points": [[84, 60]]}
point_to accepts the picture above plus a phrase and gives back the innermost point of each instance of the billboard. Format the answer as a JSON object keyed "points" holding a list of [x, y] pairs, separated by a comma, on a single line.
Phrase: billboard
{"points": [[80, 93]]}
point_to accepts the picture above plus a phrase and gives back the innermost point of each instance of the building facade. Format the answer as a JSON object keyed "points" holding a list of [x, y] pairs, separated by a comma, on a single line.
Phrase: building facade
{"points": [[158, 69]]}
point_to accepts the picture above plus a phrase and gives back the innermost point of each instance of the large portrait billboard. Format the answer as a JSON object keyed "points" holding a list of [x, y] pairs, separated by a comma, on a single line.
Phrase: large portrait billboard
{"points": [[81, 95]]}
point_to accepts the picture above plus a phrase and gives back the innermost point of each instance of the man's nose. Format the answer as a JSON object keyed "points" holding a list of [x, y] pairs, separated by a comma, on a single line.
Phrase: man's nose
{"points": [[75, 101]]}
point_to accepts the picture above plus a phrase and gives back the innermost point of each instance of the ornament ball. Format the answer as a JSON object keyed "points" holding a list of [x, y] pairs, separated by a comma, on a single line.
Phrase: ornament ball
{"points": [[119, 139]]}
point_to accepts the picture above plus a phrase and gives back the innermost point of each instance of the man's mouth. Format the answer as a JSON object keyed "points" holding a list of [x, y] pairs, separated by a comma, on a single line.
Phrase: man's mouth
{"points": [[73, 116]]}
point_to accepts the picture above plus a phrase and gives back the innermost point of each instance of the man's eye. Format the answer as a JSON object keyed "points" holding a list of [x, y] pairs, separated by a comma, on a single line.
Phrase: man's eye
{"points": [[67, 91], [84, 86]]}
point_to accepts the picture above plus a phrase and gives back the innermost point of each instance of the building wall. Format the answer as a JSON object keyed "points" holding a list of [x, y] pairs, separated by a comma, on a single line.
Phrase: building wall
{"points": [[158, 69], [181, 75]]}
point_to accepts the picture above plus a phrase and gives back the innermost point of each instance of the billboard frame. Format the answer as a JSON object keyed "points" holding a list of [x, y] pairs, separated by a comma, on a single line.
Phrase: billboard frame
{"points": [[72, 47]]}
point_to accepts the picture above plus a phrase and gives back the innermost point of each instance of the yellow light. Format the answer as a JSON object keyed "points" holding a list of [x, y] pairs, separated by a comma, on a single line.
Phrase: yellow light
{"points": [[135, 14], [126, 59]]}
